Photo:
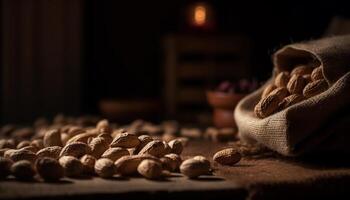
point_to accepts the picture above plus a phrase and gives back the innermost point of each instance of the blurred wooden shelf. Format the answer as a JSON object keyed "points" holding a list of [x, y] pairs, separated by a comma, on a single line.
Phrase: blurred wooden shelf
{"points": [[191, 95], [125, 110], [193, 62], [210, 70], [210, 44]]}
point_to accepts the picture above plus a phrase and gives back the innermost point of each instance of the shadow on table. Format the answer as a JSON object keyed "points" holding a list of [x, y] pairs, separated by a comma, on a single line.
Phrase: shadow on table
{"points": [[208, 178], [324, 161], [37, 181]]}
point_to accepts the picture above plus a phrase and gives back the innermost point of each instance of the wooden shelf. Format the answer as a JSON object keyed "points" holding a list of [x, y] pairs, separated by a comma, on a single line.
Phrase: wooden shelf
{"points": [[211, 71], [191, 95], [192, 62]]}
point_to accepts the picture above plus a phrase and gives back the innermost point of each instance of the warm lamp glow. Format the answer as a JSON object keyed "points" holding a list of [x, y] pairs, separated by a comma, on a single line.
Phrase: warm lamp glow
{"points": [[200, 15]]}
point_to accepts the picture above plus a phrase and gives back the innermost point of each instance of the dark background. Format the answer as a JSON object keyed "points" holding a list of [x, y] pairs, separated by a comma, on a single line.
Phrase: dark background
{"points": [[64, 56]]}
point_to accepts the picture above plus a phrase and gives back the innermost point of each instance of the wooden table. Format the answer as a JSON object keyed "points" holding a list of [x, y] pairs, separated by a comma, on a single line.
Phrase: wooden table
{"points": [[251, 179]]}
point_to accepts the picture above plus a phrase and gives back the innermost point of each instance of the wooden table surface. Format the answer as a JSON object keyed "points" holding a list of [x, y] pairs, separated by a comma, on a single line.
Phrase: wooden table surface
{"points": [[253, 179]]}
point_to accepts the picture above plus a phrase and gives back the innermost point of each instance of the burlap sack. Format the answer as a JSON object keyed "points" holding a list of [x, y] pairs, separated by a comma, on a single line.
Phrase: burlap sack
{"points": [[318, 124]]}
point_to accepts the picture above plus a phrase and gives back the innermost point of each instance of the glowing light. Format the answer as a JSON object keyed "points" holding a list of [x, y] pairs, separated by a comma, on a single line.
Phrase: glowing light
{"points": [[200, 15]]}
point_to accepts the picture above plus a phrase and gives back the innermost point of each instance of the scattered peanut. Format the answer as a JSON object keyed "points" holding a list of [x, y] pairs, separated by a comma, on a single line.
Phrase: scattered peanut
{"points": [[76, 149], [49, 169], [150, 169], [125, 140], [20, 154], [72, 166], [98, 146], [88, 161], [154, 148], [5, 167], [52, 138], [51, 152], [227, 156], [176, 146], [105, 168], [23, 170], [193, 168], [115, 153]]}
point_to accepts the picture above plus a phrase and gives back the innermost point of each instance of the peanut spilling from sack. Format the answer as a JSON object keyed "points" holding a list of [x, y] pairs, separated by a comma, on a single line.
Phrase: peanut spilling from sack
{"points": [[289, 88]]}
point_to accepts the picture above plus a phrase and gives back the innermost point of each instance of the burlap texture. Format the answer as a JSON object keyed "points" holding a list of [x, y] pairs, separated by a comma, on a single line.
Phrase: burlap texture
{"points": [[318, 124]]}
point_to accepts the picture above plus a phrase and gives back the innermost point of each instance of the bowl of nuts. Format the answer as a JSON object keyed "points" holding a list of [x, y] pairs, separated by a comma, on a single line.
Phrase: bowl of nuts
{"points": [[224, 98]]}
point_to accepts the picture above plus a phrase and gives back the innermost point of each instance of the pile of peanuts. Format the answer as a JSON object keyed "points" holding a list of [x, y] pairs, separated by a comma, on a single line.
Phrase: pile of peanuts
{"points": [[58, 150]]}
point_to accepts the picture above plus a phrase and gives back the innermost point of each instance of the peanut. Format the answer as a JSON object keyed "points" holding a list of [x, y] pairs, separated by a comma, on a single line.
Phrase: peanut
{"points": [[282, 79], [64, 138], [83, 137], [76, 149], [155, 148], [150, 169], [38, 143], [317, 74], [268, 89], [88, 161], [144, 139], [296, 84], [98, 146], [72, 166], [171, 162], [315, 88], [127, 165], [2, 152], [176, 146], [115, 153], [125, 140], [105, 168], [227, 156], [280, 93], [30, 148], [103, 126], [202, 159], [19, 154], [301, 70], [108, 138], [23, 170], [290, 100], [8, 153], [174, 157], [23, 144], [51, 152], [193, 168], [167, 137], [5, 167], [6, 144], [167, 148], [267, 106], [52, 138], [49, 169]]}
